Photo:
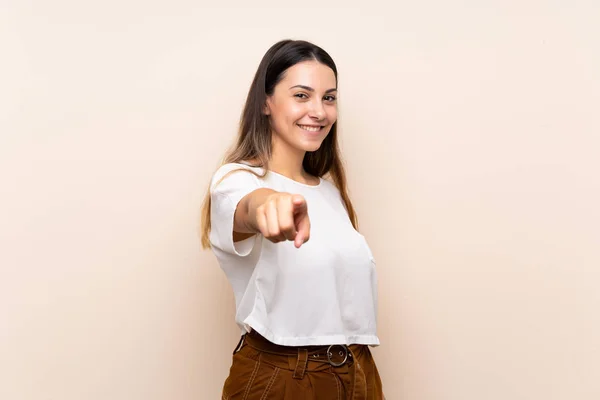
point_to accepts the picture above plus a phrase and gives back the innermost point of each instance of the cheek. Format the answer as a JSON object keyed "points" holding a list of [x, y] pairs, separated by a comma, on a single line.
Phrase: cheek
{"points": [[332, 115], [288, 112], [295, 111]]}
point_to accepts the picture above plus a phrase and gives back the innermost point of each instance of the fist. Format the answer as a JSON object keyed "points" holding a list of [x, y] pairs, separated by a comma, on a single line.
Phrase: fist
{"points": [[284, 216]]}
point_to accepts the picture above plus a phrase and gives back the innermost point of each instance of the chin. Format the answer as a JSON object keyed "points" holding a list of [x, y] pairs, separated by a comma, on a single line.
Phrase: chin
{"points": [[312, 147], [312, 144]]}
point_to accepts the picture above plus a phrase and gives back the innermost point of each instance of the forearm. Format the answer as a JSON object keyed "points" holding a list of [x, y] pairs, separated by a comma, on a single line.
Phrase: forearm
{"points": [[245, 213]]}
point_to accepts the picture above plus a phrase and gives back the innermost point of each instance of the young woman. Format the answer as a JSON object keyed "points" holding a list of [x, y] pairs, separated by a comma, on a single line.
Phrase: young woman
{"points": [[281, 224]]}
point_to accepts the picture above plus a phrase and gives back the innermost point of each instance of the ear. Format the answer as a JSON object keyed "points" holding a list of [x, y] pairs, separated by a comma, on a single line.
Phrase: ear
{"points": [[266, 108]]}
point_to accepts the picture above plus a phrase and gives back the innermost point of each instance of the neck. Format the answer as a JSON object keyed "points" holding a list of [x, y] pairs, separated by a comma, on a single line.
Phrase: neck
{"points": [[287, 161]]}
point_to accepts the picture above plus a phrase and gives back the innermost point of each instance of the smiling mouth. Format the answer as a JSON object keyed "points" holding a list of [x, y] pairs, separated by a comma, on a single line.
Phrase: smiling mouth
{"points": [[310, 128]]}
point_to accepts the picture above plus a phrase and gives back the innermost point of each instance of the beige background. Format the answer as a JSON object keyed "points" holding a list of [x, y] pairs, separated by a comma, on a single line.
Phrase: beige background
{"points": [[471, 134]]}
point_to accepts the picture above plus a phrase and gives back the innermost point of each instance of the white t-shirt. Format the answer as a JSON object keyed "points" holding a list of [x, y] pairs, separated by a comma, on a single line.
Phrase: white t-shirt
{"points": [[323, 293]]}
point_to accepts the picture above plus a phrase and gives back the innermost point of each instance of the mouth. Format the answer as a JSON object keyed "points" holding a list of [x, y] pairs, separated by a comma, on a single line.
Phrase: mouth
{"points": [[311, 128]]}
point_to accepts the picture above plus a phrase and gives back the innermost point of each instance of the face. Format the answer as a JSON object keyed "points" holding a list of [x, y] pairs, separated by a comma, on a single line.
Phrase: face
{"points": [[303, 106]]}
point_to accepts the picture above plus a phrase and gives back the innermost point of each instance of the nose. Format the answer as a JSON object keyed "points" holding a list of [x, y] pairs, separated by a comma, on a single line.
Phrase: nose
{"points": [[317, 111]]}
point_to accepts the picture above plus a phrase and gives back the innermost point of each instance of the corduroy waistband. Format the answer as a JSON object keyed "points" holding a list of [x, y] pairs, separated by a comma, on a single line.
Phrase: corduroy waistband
{"points": [[302, 358]]}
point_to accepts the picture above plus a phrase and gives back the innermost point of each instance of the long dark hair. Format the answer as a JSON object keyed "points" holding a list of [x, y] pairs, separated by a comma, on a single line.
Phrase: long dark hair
{"points": [[254, 136]]}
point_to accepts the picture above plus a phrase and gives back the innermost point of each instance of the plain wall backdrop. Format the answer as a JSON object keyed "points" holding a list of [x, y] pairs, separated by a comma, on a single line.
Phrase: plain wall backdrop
{"points": [[471, 134]]}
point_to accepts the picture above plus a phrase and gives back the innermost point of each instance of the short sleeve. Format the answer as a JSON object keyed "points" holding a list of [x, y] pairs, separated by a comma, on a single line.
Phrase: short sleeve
{"points": [[229, 185]]}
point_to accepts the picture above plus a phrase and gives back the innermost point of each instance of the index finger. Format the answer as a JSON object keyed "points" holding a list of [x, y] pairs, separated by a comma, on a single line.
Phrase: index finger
{"points": [[299, 204]]}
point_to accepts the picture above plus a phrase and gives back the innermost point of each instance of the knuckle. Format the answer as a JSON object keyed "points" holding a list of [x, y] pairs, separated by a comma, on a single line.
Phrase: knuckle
{"points": [[287, 227], [283, 200], [274, 232]]}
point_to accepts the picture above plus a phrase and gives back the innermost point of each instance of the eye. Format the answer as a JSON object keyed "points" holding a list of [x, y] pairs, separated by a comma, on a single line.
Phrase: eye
{"points": [[301, 95], [330, 98]]}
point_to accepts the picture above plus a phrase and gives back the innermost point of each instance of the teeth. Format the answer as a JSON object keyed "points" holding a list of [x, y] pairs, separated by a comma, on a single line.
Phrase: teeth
{"points": [[310, 128]]}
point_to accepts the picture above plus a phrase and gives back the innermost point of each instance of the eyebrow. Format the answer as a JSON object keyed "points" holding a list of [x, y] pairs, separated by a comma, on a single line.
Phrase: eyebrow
{"points": [[308, 88]]}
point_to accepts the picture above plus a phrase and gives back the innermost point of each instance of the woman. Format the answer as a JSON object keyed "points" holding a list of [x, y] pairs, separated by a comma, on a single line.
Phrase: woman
{"points": [[306, 308]]}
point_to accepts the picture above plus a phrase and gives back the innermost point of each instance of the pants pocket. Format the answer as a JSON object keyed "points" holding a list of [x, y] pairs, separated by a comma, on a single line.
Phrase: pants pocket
{"points": [[250, 379]]}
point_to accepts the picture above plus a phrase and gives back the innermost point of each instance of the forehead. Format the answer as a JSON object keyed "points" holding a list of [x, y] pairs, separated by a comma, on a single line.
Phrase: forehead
{"points": [[309, 73]]}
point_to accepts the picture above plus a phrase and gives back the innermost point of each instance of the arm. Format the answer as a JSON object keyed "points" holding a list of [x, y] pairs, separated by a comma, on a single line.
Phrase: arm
{"points": [[278, 216], [245, 213]]}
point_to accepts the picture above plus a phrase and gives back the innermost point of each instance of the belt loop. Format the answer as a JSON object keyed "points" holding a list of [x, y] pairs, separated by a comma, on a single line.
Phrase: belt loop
{"points": [[239, 345], [301, 364]]}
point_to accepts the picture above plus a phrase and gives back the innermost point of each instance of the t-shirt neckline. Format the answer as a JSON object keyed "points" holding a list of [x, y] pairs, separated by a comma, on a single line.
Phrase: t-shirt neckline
{"points": [[287, 178]]}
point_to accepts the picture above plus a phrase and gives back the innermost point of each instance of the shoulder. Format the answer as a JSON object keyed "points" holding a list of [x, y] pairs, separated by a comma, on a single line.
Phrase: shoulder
{"points": [[330, 190], [328, 186], [240, 171], [231, 167]]}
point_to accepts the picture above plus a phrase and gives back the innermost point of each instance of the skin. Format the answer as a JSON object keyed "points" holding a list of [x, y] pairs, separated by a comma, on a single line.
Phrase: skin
{"points": [[305, 97]]}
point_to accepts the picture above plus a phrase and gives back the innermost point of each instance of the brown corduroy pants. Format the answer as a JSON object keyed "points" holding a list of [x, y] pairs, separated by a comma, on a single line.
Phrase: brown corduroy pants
{"points": [[262, 370]]}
